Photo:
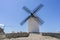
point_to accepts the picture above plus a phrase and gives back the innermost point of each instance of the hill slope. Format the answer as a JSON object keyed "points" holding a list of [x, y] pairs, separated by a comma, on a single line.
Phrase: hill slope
{"points": [[33, 36]]}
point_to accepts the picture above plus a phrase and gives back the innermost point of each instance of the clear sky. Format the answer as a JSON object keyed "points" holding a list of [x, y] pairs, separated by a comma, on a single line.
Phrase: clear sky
{"points": [[11, 14]]}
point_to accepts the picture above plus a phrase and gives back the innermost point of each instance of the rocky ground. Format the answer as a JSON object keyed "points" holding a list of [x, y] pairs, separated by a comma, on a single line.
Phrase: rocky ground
{"points": [[33, 36]]}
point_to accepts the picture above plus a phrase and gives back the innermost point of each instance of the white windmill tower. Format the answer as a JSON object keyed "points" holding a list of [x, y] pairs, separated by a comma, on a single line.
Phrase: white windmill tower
{"points": [[33, 20]]}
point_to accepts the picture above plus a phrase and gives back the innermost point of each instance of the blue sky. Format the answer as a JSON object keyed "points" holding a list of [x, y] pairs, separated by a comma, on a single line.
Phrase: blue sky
{"points": [[11, 14]]}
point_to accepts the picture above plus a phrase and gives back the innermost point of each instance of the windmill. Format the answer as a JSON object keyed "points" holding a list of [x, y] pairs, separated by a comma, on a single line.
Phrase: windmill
{"points": [[33, 20]]}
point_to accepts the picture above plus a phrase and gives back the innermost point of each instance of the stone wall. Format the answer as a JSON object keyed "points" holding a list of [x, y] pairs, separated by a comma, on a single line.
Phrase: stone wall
{"points": [[16, 35], [56, 35]]}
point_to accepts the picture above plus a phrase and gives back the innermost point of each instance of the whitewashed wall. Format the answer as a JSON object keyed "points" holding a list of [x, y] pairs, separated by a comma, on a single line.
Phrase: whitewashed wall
{"points": [[33, 26]]}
